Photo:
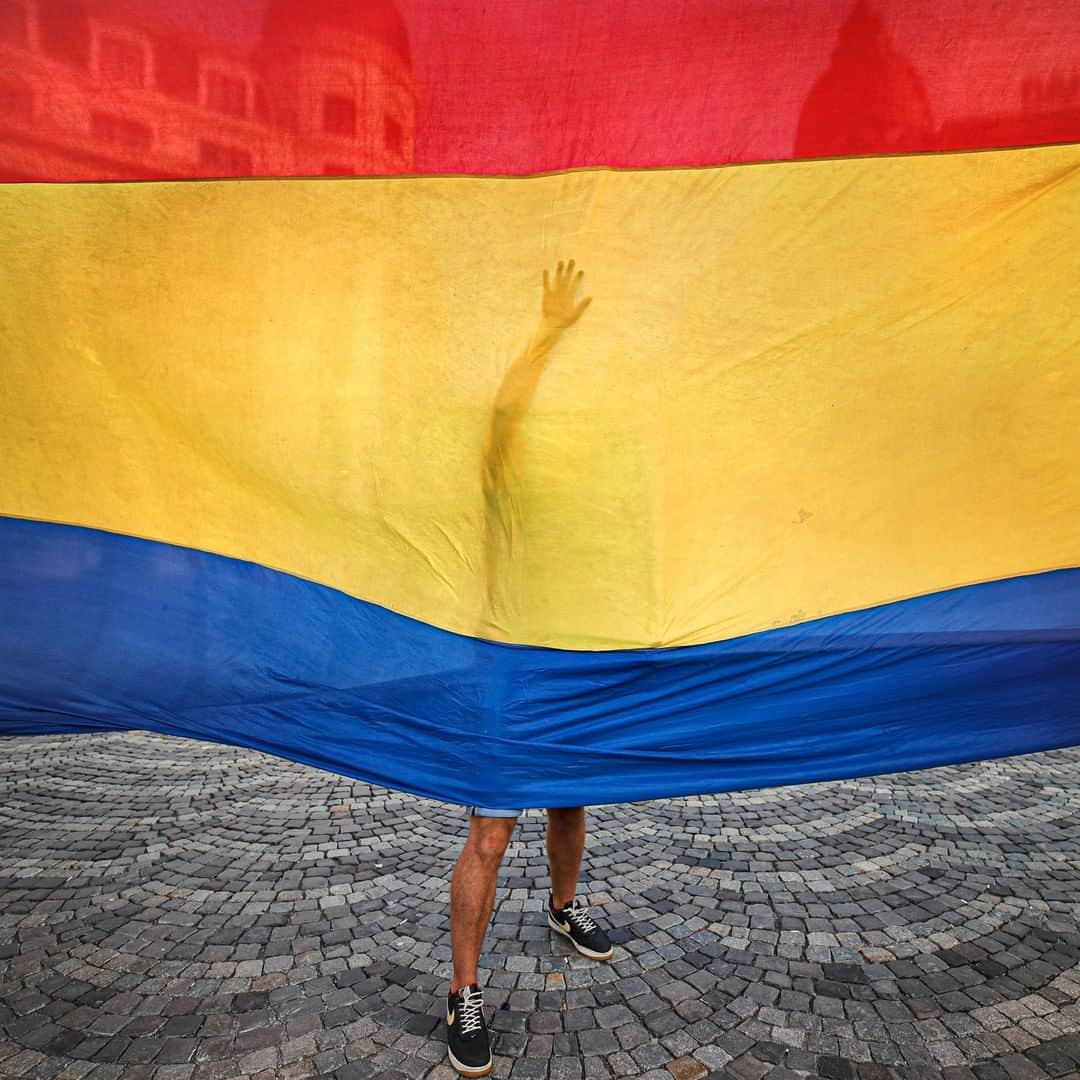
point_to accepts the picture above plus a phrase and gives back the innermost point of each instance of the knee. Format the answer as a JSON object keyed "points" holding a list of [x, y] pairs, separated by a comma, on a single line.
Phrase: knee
{"points": [[489, 838], [566, 817]]}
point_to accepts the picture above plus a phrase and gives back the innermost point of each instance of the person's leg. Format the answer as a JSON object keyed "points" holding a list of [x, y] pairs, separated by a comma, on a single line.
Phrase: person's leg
{"points": [[565, 847], [472, 892], [566, 915]]}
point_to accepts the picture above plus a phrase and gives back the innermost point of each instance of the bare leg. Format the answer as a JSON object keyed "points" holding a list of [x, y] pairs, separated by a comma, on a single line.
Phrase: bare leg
{"points": [[472, 893], [565, 846]]}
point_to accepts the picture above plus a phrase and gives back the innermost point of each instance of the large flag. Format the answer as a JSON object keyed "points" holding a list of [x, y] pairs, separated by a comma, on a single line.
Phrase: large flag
{"points": [[543, 404]]}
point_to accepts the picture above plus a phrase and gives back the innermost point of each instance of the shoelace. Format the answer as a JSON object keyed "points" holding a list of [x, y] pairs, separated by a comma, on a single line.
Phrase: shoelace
{"points": [[580, 917], [472, 1005]]}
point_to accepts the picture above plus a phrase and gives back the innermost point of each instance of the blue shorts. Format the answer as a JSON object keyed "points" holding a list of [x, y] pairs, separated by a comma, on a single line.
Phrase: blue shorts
{"points": [[483, 811]]}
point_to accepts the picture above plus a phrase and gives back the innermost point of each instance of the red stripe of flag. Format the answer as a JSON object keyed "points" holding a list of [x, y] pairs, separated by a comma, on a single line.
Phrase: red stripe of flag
{"points": [[138, 89]]}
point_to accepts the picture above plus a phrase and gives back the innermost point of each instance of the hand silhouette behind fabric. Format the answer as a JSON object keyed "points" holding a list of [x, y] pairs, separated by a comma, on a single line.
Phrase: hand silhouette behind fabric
{"points": [[559, 310]]}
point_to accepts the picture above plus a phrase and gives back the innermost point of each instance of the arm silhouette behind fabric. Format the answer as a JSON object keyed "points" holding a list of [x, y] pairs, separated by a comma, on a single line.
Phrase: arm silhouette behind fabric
{"points": [[559, 311]]}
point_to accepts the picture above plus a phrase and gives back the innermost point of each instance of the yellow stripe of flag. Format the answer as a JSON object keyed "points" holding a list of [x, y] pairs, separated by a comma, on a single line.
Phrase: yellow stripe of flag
{"points": [[801, 388]]}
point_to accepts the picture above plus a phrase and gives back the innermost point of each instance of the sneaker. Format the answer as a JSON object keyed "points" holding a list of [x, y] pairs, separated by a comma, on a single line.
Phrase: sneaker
{"points": [[575, 922], [466, 1032]]}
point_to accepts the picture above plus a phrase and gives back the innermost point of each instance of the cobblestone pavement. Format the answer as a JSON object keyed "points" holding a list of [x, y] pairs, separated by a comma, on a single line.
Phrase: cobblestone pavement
{"points": [[173, 909]]}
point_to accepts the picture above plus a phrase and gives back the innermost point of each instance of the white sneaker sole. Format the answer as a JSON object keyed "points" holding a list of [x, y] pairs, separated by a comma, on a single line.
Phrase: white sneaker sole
{"points": [[466, 1070], [580, 948]]}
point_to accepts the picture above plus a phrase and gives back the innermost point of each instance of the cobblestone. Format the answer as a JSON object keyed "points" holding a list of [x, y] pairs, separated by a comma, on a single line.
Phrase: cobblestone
{"points": [[172, 910]]}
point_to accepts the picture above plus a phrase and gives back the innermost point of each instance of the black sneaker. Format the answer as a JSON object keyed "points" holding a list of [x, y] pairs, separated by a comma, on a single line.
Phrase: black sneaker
{"points": [[575, 922], [466, 1032]]}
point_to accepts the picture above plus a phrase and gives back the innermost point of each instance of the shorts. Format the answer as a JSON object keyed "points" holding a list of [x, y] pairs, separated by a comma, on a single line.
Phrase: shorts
{"points": [[483, 811]]}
